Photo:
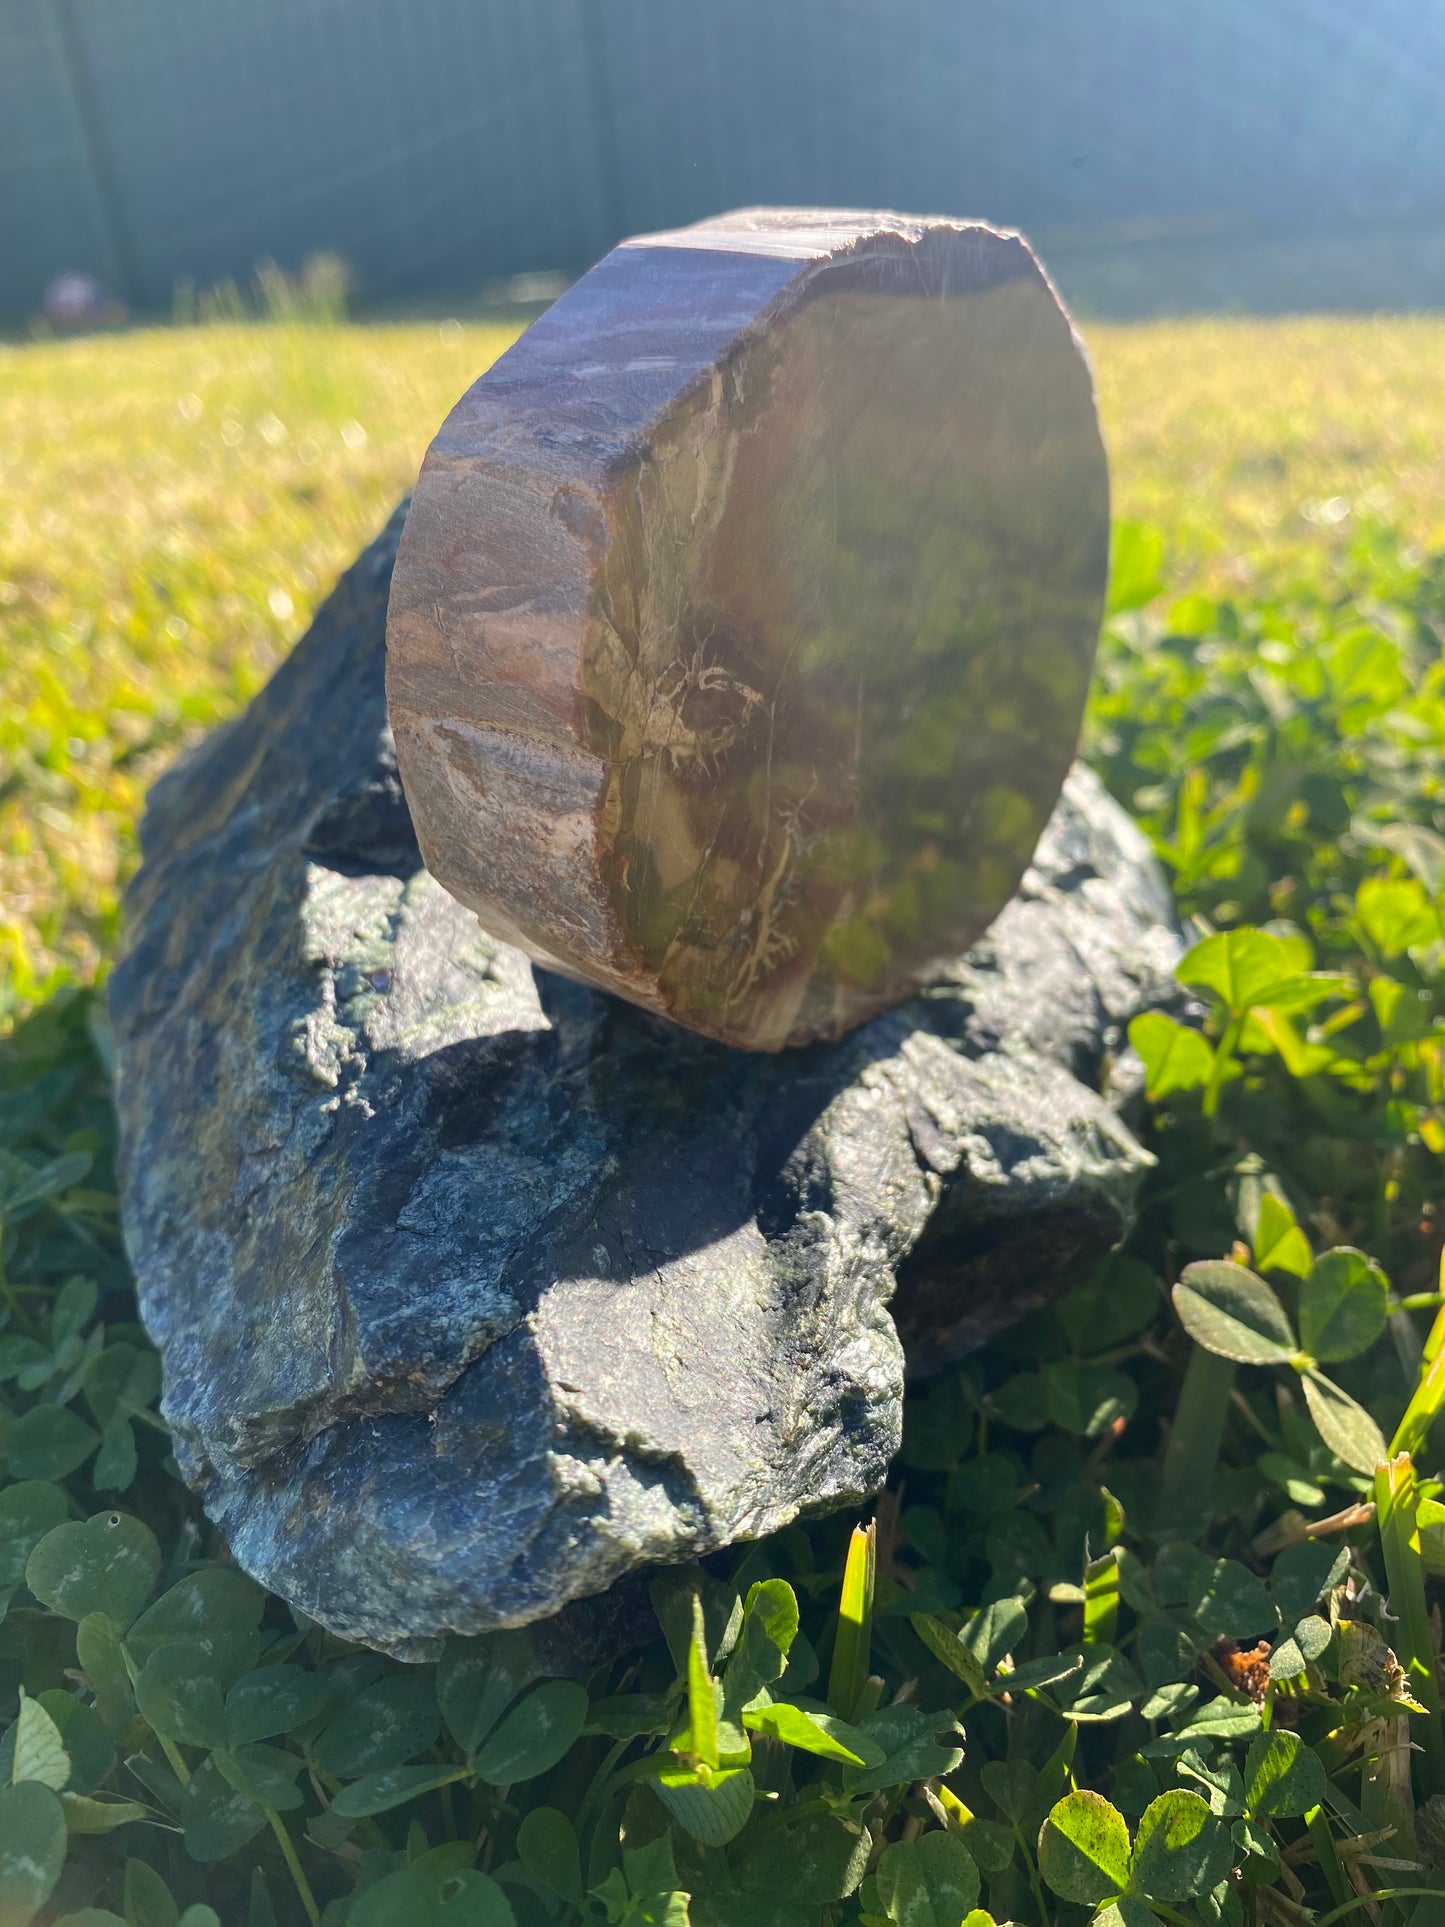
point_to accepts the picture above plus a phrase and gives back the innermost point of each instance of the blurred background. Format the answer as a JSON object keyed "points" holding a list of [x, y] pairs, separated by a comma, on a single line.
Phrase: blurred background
{"points": [[1246, 154], [251, 254]]}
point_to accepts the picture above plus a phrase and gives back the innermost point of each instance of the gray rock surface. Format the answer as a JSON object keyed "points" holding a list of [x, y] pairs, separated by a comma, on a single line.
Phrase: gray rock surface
{"points": [[476, 1289]]}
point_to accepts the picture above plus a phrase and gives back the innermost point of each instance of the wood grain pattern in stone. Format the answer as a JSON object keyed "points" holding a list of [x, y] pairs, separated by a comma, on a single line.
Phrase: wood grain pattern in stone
{"points": [[744, 615]]}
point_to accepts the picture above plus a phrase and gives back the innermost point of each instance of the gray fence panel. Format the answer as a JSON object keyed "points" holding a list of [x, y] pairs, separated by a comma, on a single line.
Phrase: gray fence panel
{"points": [[440, 143], [1031, 111], [433, 144], [50, 215]]}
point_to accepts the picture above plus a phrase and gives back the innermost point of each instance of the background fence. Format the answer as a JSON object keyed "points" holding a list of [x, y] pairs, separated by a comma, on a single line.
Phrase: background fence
{"points": [[438, 144]]}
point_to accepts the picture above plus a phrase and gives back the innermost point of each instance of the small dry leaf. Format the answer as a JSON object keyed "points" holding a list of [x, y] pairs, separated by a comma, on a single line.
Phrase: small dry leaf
{"points": [[1246, 1669], [1369, 1665]]}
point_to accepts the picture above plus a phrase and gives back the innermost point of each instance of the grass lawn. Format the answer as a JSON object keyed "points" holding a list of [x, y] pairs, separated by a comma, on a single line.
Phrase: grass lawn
{"points": [[1166, 1556], [176, 501]]}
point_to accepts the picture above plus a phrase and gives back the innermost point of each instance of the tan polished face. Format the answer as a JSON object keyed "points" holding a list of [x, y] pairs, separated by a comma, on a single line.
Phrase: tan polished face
{"points": [[839, 645]]}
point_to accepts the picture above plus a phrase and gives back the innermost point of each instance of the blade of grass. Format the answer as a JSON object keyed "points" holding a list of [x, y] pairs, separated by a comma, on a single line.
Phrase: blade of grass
{"points": [[1195, 1439], [701, 1700], [1323, 1841], [293, 1866], [1376, 1895], [848, 1675], [1101, 1600], [1396, 1501], [1429, 1394]]}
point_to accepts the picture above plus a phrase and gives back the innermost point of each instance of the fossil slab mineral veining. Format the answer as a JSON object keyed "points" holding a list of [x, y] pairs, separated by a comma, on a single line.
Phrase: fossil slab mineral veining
{"points": [[476, 1289], [742, 623]]}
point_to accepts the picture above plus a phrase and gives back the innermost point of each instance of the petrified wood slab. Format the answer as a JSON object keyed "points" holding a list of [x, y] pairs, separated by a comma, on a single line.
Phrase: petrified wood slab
{"points": [[743, 620], [476, 1289]]}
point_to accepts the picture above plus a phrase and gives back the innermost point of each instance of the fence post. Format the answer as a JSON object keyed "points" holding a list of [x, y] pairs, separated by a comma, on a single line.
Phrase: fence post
{"points": [[108, 208]]}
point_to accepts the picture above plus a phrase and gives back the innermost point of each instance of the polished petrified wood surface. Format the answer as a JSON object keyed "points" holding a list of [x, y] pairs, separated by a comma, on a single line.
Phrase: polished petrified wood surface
{"points": [[743, 618]]}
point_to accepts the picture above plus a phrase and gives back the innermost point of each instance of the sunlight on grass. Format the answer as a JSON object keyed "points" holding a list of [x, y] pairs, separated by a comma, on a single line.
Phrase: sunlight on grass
{"points": [[1260, 447], [179, 500]]}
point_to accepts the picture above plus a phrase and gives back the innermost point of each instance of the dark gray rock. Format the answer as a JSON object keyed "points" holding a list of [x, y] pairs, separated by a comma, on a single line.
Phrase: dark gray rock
{"points": [[475, 1289]]}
